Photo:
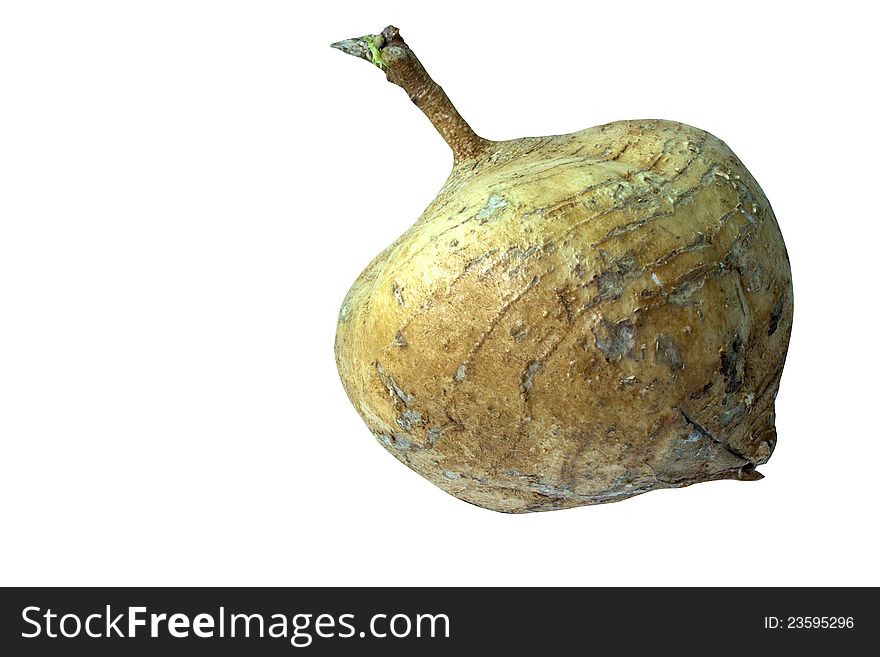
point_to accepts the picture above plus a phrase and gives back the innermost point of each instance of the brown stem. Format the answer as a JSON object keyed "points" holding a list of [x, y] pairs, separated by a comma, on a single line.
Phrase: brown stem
{"points": [[390, 53]]}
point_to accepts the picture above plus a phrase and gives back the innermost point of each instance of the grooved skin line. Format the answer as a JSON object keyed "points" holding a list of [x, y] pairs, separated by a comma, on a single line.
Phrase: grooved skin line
{"points": [[682, 196], [499, 189], [523, 291]]}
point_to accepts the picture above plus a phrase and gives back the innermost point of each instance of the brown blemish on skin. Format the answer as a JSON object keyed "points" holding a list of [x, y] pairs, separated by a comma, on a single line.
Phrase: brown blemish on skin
{"points": [[397, 293], [519, 331], [730, 364], [775, 315], [614, 339], [528, 376], [667, 352]]}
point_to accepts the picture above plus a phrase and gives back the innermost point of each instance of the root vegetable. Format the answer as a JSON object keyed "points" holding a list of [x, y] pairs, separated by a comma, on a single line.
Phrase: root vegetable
{"points": [[574, 319]]}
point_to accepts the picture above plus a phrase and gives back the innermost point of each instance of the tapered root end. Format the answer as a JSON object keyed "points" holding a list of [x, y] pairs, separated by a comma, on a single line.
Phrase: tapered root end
{"points": [[356, 47]]}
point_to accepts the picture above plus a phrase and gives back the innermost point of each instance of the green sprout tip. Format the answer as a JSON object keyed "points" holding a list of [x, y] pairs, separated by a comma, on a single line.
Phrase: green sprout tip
{"points": [[375, 53]]}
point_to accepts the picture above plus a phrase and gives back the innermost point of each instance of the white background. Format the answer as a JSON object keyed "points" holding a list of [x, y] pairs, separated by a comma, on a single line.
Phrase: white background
{"points": [[187, 190]]}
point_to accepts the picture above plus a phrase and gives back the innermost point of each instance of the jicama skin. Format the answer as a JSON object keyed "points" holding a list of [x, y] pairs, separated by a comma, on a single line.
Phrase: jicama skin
{"points": [[575, 319]]}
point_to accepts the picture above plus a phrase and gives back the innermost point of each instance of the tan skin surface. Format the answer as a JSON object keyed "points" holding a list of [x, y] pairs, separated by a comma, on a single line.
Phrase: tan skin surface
{"points": [[574, 319]]}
